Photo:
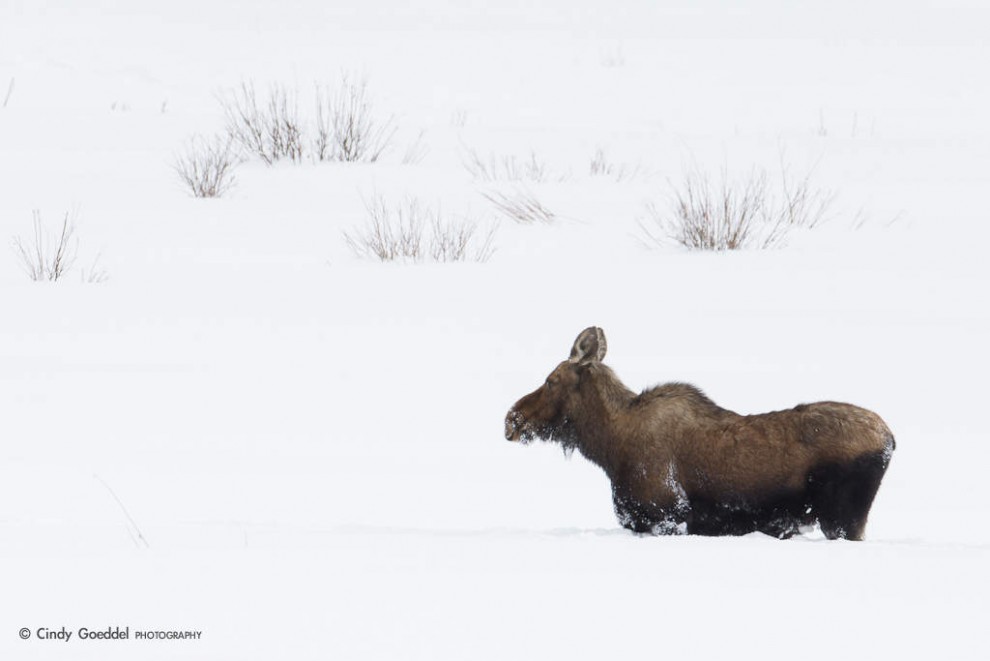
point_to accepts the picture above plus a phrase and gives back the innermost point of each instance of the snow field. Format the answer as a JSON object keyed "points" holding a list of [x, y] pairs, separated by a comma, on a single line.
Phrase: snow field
{"points": [[311, 445]]}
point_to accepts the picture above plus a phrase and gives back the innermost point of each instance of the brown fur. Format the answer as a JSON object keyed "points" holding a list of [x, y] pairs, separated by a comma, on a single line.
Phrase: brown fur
{"points": [[676, 459]]}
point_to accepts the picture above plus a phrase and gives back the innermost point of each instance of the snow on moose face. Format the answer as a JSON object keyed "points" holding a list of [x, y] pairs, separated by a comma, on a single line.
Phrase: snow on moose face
{"points": [[544, 412]]}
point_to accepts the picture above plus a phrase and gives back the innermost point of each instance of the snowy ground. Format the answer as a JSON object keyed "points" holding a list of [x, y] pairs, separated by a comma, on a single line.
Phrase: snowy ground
{"points": [[311, 445]]}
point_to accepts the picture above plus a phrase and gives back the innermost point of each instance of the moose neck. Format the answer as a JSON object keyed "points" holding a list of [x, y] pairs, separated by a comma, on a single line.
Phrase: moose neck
{"points": [[604, 398]]}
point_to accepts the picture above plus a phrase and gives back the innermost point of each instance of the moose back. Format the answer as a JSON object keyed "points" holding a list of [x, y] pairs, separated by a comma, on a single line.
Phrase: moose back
{"points": [[679, 463]]}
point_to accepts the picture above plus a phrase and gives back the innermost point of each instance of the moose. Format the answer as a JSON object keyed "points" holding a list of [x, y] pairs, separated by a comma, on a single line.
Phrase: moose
{"points": [[681, 464]]}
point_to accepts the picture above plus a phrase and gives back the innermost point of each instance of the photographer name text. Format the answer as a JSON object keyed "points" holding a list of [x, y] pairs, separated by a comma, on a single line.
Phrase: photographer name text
{"points": [[65, 635]]}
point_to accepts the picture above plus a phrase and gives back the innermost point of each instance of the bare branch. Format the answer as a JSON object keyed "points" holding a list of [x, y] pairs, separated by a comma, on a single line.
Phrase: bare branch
{"points": [[416, 151], [10, 90], [207, 166], [601, 166], [497, 168], [42, 259], [521, 206], [272, 130], [706, 215], [412, 232], [347, 128]]}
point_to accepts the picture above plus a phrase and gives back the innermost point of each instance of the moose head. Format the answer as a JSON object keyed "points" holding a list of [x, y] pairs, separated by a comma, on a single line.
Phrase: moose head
{"points": [[546, 412]]}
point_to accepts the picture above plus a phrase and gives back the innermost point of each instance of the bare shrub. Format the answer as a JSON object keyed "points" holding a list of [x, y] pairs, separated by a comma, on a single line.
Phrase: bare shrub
{"points": [[496, 168], [602, 166], [459, 241], [132, 528], [864, 218], [391, 235], [95, 274], [45, 257], [412, 232], [347, 128], [801, 204], [271, 130], [50, 257], [521, 206], [721, 215], [206, 167]]}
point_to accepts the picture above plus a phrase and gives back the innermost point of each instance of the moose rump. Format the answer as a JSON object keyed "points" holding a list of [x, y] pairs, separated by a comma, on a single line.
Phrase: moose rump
{"points": [[679, 463]]}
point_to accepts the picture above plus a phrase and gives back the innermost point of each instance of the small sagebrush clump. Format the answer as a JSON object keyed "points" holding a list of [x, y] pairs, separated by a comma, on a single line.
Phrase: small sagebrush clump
{"points": [[270, 129], [413, 232], [602, 166], [347, 126], [725, 215], [343, 127], [206, 167], [50, 257], [520, 205], [495, 168]]}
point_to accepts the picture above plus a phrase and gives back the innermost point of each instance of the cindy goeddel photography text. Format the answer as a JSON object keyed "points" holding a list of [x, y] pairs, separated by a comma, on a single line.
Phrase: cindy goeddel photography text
{"points": [[110, 633]]}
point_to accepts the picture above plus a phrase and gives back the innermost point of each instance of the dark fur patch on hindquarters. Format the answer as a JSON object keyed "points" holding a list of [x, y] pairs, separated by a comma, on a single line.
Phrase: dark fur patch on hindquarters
{"points": [[841, 494], [838, 497]]}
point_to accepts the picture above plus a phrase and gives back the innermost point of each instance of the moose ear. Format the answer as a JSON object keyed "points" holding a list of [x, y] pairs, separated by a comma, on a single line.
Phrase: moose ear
{"points": [[589, 346]]}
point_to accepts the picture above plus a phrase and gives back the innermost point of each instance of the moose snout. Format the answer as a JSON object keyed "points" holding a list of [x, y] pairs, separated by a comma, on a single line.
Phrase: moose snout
{"points": [[513, 425]]}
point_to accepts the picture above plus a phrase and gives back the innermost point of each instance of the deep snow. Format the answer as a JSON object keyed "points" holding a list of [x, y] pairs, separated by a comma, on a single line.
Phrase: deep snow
{"points": [[311, 445]]}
